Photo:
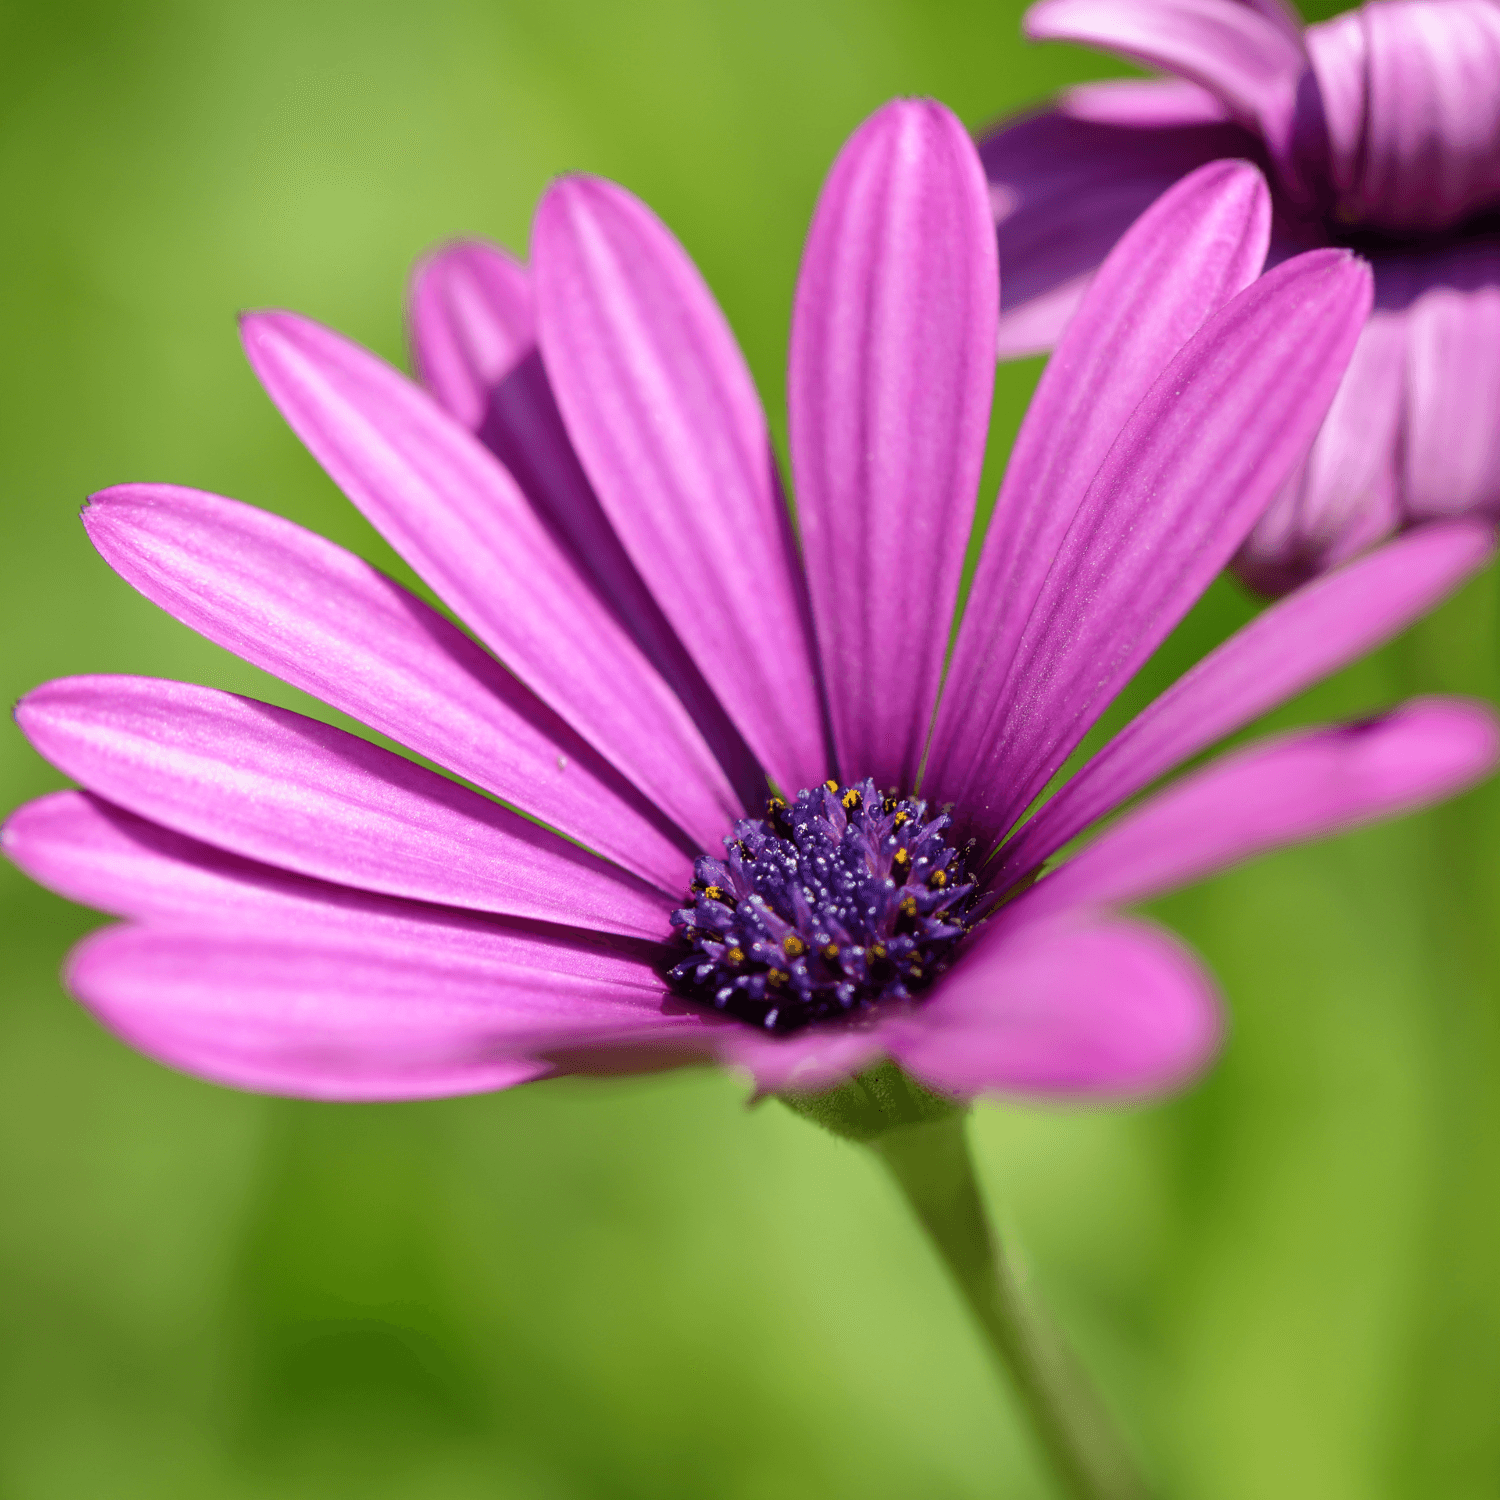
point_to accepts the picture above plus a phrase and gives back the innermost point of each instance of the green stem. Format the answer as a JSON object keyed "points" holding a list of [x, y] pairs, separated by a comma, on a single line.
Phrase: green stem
{"points": [[932, 1165]]}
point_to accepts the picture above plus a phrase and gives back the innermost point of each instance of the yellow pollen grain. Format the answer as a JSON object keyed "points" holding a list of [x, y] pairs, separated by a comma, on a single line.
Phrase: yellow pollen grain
{"points": [[793, 946], [909, 907], [902, 817], [831, 952], [937, 880], [775, 976], [735, 955], [713, 893], [902, 857], [832, 786], [878, 950]]}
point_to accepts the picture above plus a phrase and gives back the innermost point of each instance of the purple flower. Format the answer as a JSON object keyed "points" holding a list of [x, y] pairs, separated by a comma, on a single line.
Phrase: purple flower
{"points": [[310, 913], [1379, 130]]}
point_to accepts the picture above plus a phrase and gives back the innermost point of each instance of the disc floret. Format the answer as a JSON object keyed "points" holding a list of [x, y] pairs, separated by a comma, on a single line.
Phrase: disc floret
{"points": [[825, 907]]}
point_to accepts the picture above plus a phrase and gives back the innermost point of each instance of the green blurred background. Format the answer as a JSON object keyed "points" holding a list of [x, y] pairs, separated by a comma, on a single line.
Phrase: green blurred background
{"points": [[1285, 1281]]}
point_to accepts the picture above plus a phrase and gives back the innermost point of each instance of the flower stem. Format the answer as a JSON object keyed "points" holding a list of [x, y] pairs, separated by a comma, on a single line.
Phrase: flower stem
{"points": [[932, 1165]]}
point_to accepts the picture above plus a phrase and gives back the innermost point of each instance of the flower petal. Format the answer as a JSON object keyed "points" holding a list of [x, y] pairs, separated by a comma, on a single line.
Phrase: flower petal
{"points": [[1188, 255], [1197, 462], [340, 1019], [1067, 183], [458, 518], [473, 329], [330, 624], [1076, 1008], [275, 786], [1431, 140], [1343, 496], [1280, 791], [1235, 51], [1147, 103], [471, 322], [1337, 55], [661, 409], [807, 1061], [891, 372], [1292, 645], [1453, 404], [102, 856]]}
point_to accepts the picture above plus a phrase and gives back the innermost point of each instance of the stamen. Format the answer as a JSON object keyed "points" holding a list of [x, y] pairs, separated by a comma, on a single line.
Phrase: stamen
{"points": [[844, 900]]}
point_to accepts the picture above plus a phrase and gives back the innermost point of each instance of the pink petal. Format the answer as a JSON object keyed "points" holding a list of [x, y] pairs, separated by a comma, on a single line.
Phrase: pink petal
{"points": [[332, 1018], [471, 323], [1343, 496], [892, 368], [1281, 14], [1144, 103], [808, 1061], [1197, 462], [1337, 54], [1235, 51], [1067, 183], [1281, 791], [458, 518], [330, 624], [1431, 140], [660, 406], [1078, 1008], [99, 855], [473, 330], [278, 787], [1292, 645], [1452, 434], [1189, 254]]}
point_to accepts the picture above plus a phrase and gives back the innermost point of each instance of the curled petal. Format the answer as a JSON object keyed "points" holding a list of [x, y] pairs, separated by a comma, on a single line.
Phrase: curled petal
{"points": [[1453, 404], [1345, 494], [1247, 59], [1337, 56], [1431, 140]]}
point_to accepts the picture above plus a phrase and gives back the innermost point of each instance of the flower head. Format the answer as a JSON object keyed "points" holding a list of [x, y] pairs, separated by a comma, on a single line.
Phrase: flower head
{"points": [[1379, 130], [590, 487], [829, 908]]}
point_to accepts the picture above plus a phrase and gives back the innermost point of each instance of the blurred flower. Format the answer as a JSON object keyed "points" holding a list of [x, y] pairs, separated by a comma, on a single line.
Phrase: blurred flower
{"points": [[1380, 130], [314, 914]]}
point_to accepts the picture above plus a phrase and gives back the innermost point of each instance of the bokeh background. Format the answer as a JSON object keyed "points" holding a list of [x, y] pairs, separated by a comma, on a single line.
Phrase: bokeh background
{"points": [[1285, 1280]]}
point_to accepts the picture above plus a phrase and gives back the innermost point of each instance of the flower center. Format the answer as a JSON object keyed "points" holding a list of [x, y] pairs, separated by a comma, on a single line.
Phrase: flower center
{"points": [[823, 908]]}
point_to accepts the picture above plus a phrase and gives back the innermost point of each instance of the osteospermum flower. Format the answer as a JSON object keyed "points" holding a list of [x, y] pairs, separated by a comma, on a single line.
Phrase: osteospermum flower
{"points": [[310, 913], [1380, 130]]}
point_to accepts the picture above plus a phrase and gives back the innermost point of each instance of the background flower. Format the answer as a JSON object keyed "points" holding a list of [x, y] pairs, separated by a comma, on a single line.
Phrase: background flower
{"points": [[528, 1291], [1379, 129]]}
